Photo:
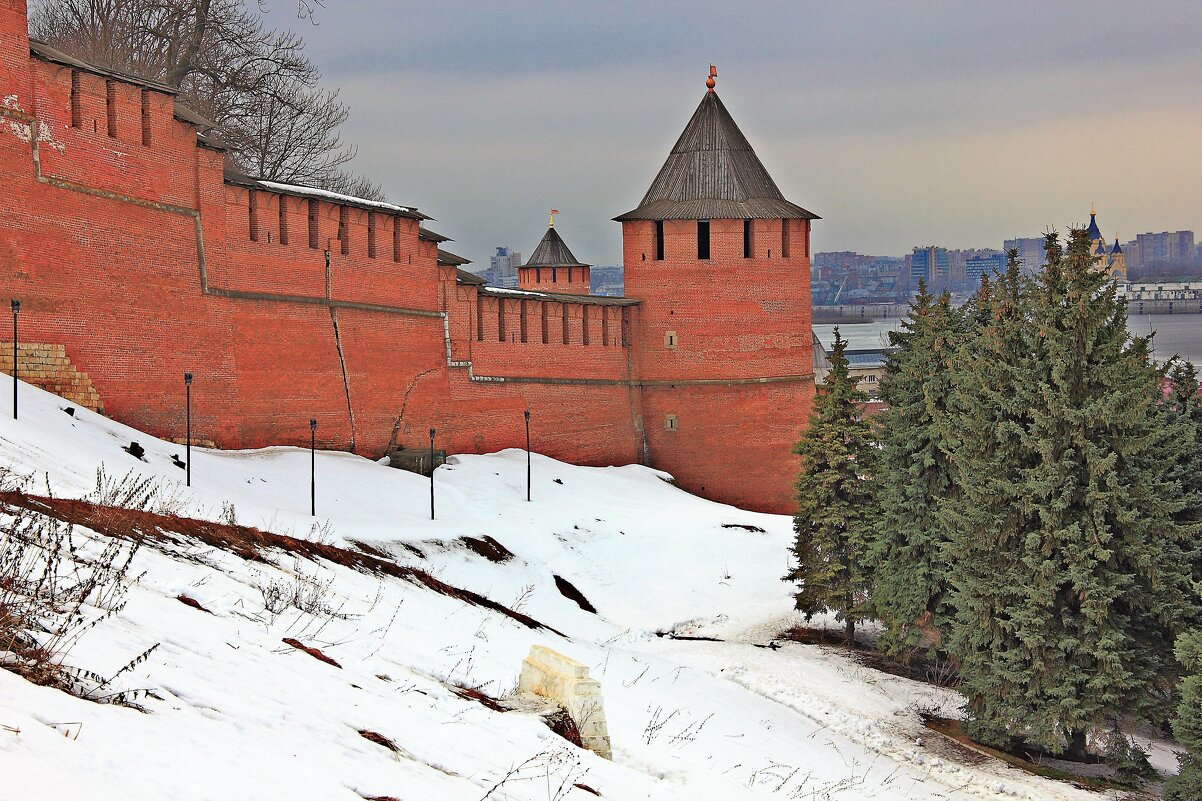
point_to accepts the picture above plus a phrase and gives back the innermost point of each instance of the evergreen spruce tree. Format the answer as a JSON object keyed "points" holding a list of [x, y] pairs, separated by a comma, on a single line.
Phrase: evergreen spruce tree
{"points": [[1184, 406], [834, 500], [1067, 563], [1187, 727], [909, 572]]}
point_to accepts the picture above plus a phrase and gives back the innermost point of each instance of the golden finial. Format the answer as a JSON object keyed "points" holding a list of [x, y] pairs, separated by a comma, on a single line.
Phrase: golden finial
{"points": [[1092, 210], [710, 82], [551, 222]]}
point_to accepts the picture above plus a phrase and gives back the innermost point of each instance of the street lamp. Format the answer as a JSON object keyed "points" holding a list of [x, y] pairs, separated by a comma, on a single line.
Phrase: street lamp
{"points": [[188, 441], [527, 455], [16, 308], [313, 466], [432, 432]]}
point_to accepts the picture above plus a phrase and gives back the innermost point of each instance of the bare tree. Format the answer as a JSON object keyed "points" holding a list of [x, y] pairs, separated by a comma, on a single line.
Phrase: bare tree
{"points": [[256, 84]]}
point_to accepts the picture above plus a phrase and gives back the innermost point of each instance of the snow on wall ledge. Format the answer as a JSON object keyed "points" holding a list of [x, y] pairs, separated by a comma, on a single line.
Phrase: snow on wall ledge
{"points": [[564, 680]]}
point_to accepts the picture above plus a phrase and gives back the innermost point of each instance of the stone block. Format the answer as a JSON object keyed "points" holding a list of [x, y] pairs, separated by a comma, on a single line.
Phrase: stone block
{"points": [[565, 681]]}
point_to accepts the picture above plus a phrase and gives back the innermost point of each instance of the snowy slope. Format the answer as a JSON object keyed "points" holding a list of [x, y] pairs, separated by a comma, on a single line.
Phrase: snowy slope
{"points": [[243, 716]]}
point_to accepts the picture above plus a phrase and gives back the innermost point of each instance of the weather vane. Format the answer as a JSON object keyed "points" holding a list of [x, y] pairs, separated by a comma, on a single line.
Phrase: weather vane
{"points": [[710, 82], [551, 224]]}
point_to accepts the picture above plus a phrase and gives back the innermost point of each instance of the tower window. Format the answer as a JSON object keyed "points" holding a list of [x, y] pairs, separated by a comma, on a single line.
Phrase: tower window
{"points": [[76, 101], [671, 423], [703, 239], [659, 240], [146, 117], [784, 239], [283, 219], [748, 245], [254, 215], [670, 340], [110, 106]]}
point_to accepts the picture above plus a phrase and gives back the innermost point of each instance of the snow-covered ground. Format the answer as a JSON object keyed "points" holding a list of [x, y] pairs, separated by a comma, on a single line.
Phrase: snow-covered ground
{"points": [[240, 715]]}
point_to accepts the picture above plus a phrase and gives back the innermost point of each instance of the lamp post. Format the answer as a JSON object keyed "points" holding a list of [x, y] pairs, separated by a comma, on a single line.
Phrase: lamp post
{"points": [[527, 455], [313, 467], [188, 441], [16, 308], [432, 432]]}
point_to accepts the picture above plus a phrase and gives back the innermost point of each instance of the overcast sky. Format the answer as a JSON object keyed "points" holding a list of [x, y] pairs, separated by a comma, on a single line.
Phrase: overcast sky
{"points": [[955, 123]]}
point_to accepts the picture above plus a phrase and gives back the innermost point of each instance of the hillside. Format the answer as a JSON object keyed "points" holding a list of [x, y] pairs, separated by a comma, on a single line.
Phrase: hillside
{"points": [[410, 611]]}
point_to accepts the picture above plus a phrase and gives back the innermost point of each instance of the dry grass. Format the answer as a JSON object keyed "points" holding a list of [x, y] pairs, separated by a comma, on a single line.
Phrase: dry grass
{"points": [[142, 526]]}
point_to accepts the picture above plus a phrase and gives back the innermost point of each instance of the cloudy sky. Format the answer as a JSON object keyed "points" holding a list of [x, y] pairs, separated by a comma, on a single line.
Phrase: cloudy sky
{"points": [[900, 123]]}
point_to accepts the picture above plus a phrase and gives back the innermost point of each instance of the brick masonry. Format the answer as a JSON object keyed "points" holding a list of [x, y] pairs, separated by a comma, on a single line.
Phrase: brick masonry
{"points": [[48, 367], [130, 252]]}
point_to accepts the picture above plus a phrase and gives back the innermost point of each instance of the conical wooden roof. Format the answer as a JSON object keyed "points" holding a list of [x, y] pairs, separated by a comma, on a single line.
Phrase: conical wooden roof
{"points": [[713, 173], [552, 251]]}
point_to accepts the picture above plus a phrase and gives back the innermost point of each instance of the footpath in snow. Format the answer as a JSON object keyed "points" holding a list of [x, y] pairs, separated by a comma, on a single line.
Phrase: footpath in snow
{"points": [[232, 712]]}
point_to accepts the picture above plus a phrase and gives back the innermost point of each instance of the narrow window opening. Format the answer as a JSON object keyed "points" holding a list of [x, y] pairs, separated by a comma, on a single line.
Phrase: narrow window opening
{"points": [[671, 423], [344, 234], [146, 117], [76, 101], [283, 219], [659, 240], [784, 239], [554, 275], [584, 325], [703, 239], [546, 339], [371, 234], [748, 245], [500, 320], [538, 275], [313, 226], [253, 210], [110, 106]]}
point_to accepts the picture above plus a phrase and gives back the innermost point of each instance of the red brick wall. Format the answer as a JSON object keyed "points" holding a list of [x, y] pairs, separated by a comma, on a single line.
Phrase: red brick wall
{"points": [[133, 253]]}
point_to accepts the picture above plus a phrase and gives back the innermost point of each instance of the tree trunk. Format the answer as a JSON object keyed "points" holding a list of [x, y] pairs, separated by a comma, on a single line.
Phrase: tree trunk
{"points": [[849, 633], [1076, 749]]}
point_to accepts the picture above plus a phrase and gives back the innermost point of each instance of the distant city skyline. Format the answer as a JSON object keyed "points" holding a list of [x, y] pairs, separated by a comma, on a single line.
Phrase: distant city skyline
{"points": [[898, 124]]}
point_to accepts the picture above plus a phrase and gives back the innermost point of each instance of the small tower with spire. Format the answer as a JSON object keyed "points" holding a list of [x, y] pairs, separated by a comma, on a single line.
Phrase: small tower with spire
{"points": [[552, 267], [1110, 259]]}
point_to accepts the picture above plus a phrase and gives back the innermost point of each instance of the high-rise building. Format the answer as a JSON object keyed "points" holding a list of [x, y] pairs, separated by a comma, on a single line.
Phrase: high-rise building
{"points": [[991, 265], [503, 268], [1031, 254], [1165, 249], [930, 264]]}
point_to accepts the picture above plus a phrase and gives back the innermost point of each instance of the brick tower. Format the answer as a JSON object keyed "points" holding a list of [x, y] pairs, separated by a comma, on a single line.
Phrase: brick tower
{"points": [[553, 268], [721, 264]]}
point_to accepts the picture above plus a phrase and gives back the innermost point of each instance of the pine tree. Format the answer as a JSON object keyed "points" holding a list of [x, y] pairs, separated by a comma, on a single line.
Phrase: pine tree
{"points": [[1068, 569], [834, 500], [909, 586]]}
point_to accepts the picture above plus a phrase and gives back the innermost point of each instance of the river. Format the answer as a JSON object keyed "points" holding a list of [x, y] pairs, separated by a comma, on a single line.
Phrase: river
{"points": [[1174, 334]]}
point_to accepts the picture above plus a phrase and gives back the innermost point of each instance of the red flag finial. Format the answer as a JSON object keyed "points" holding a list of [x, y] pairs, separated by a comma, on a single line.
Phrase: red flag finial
{"points": [[710, 82]]}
